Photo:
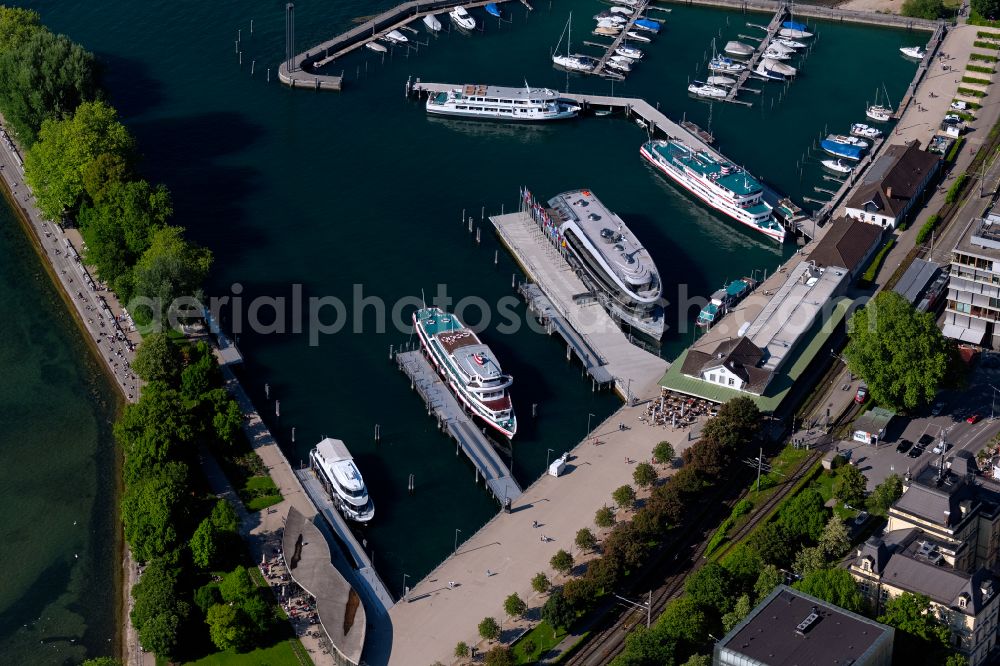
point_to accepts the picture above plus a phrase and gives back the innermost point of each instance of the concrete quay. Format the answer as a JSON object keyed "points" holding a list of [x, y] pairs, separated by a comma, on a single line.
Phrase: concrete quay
{"points": [[634, 370], [817, 11]]}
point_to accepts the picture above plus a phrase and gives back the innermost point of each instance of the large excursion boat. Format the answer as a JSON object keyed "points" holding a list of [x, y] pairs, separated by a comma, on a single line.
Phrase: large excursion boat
{"points": [[469, 366], [610, 261], [335, 468], [723, 186], [479, 101]]}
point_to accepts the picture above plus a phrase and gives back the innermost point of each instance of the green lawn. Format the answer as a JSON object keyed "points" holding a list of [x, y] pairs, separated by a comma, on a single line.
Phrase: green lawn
{"points": [[279, 654], [544, 640]]}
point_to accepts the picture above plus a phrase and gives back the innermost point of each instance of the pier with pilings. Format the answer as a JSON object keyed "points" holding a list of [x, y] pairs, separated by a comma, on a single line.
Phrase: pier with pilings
{"points": [[770, 32]]}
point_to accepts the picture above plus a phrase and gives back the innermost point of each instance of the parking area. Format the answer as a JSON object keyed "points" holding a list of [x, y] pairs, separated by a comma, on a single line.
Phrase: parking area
{"points": [[966, 419]]}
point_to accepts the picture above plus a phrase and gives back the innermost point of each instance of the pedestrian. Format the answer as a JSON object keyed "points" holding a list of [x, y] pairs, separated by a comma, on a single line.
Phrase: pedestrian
{"points": [[534, 523], [488, 573], [543, 538]]}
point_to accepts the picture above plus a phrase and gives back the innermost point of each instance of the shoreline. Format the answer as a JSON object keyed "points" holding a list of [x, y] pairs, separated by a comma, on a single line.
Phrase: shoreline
{"points": [[124, 636]]}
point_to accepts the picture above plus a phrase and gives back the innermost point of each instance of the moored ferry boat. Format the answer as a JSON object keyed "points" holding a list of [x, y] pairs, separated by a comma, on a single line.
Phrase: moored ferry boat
{"points": [[519, 104], [334, 467], [469, 366], [610, 260], [722, 185]]}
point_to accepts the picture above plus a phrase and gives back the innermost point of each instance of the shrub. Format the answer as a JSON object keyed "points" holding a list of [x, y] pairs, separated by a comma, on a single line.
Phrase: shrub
{"points": [[979, 69], [986, 45], [982, 57], [954, 150], [925, 9], [872, 271], [540, 583], [604, 517], [956, 188], [977, 81], [928, 228], [462, 649], [969, 92]]}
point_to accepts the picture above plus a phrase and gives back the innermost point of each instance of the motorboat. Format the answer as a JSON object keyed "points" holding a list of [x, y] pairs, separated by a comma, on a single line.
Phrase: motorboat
{"points": [[619, 63], [768, 73], [629, 52], [493, 9], [794, 25], [396, 37], [337, 472], [461, 18], [738, 48], [841, 149], [780, 48], [792, 33], [626, 3], [849, 140], [376, 47], [647, 25], [838, 166], [624, 11], [779, 67], [790, 43], [879, 113], [913, 52], [776, 55], [432, 23], [612, 21], [723, 64], [638, 36], [723, 81], [702, 89], [866, 131], [606, 31], [617, 19]]}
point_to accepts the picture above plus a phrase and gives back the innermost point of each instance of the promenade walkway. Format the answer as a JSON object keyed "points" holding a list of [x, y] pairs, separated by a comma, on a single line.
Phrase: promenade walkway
{"points": [[503, 555]]}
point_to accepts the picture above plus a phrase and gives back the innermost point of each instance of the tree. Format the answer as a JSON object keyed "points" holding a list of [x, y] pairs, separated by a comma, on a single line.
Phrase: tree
{"points": [[489, 629], [499, 655], [735, 616], [540, 583], [698, 660], [663, 453], [988, 9], [885, 494], [200, 374], [207, 596], [804, 516], [98, 661], [585, 539], [833, 585], [580, 594], [237, 585], [912, 615], [54, 166], [44, 77], [684, 621], [604, 517], [707, 456], [228, 627], [772, 543], [557, 611], [157, 611], [737, 423], [152, 431], [645, 646], [925, 9], [514, 605], [744, 564], [104, 173], [900, 353], [562, 562], [644, 475], [624, 497], [710, 587], [528, 647], [462, 650], [770, 577], [224, 517], [835, 541], [808, 560], [150, 509], [159, 635], [158, 359], [850, 486], [16, 25], [169, 269], [205, 544]]}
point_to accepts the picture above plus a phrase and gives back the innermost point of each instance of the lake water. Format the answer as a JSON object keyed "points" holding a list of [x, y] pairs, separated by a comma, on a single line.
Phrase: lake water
{"points": [[360, 190]]}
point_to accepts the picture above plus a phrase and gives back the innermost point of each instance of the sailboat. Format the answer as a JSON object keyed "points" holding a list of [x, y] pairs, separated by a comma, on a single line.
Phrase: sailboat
{"points": [[575, 62], [877, 111]]}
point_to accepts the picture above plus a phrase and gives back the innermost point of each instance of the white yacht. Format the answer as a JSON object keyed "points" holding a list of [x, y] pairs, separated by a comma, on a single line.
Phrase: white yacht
{"points": [[779, 67], [738, 48], [848, 140], [790, 43], [517, 104], [619, 63], [638, 37], [776, 55], [629, 52], [335, 469], [913, 52], [572, 62], [462, 19], [866, 131], [722, 81], [792, 33], [838, 166], [879, 113], [703, 89], [610, 260], [432, 22], [396, 37], [376, 47], [724, 64]]}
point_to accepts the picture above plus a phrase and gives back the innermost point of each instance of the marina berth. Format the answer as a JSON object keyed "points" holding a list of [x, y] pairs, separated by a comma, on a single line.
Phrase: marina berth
{"points": [[778, 67], [605, 31], [376, 47], [334, 467], [725, 187], [790, 43], [610, 260], [621, 63], [461, 18], [629, 52], [724, 81], [469, 367], [879, 113], [776, 55], [575, 63], [768, 72], [648, 24]]}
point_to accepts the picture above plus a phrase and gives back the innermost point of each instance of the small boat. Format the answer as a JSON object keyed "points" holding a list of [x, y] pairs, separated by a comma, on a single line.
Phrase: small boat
{"points": [[723, 300], [723, 64], [396, 37], [768, 73], [629, 52], [776, 45], [841, 150], [879, 112], [376, 47], [723, 81], [790, 43], [493, 9], [838, 166], [776, 55], [866, 131], [619, 63], [613, 22], [794, 25], [621, 10], [738, 48], [848, 140], [617, 19], [779, 67], [432, 23], [702, 89], [913, 52], [575, 62], [648, 24], [627, 3], [461, 18], [638, 36], [792, 33], [605, 31], [602, 113]]}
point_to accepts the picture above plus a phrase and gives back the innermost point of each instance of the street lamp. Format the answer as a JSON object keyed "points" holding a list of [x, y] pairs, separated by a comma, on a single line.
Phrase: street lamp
{"points": [[993, 405], [405, 591], [547, 454], [648, 606], [589, 416], [456, 539]]}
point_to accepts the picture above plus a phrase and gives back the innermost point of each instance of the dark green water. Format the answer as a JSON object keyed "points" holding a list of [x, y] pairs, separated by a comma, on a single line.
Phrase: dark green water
{"points": [[361, 188], [59, 531]]}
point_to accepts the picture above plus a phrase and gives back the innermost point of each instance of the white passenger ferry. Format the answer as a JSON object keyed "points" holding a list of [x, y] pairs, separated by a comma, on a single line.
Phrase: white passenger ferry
{"points": [[334, 467], [519, 104]]}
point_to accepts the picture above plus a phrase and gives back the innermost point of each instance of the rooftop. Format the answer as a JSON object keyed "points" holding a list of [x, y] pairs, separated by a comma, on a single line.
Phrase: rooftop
{"points": [[874, 420], [847, 243], [916, 278], [893, 179], [981, 238], [790, 628]]}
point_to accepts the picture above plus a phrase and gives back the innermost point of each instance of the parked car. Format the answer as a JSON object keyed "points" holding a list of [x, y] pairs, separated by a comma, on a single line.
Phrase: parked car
{"points": [[940, 448], [904, 446], [959, 106], [937, 409], [861, 518], [862, 395], [915, 451], [973, 418]]}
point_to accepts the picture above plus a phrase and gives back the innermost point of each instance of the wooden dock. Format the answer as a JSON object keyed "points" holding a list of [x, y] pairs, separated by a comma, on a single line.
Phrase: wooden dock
{"points": [[610, 51], [300, 71], [772, 30], [454, 420]]}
